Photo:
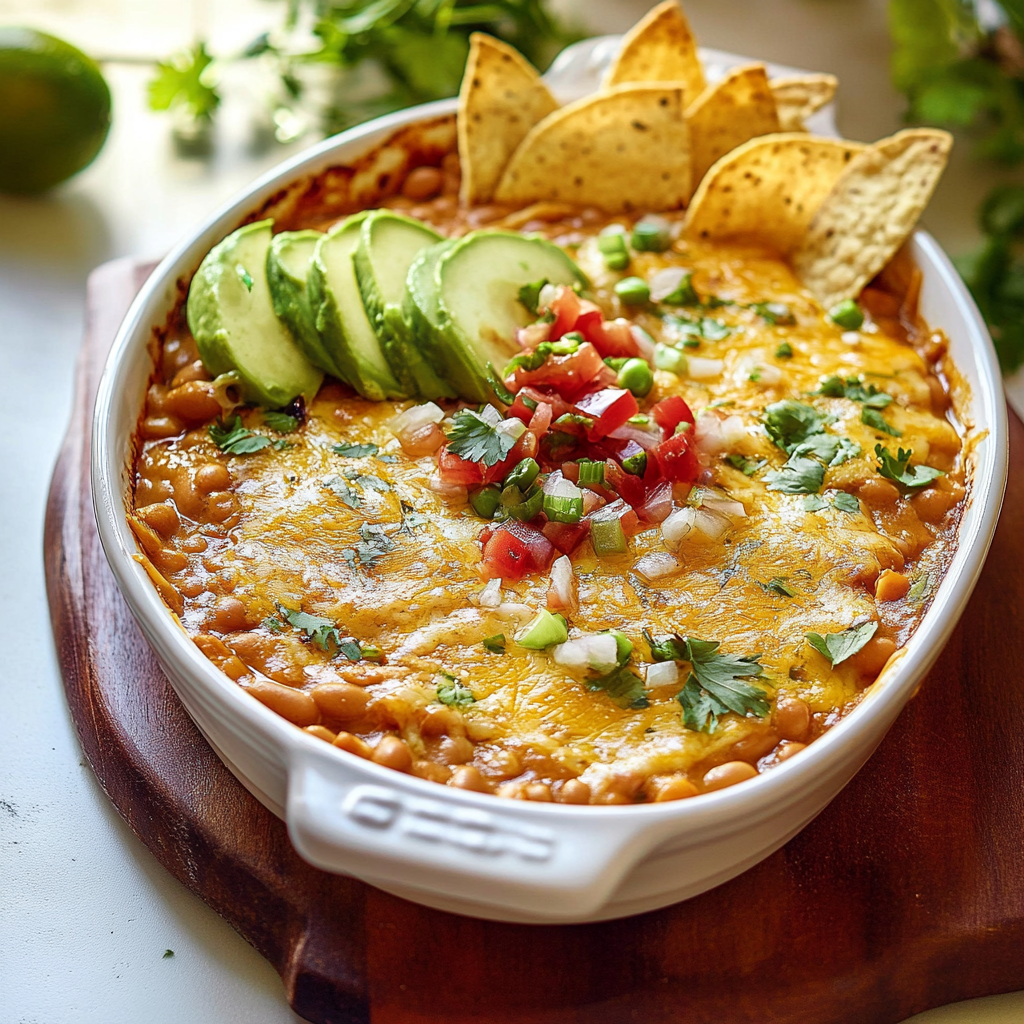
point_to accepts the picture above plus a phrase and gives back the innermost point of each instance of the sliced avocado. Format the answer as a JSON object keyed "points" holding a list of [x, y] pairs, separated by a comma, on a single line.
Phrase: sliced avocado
{"points": [[388, 244], [422, 317], [232, 318], [288, 260], [478, 282], [346, 332]]}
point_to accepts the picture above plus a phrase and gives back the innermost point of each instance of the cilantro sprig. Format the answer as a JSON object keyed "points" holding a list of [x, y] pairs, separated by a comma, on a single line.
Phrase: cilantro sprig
{"points": [[715, 684], [327, 636], [474, 439], [898, 469], [236, 439]]}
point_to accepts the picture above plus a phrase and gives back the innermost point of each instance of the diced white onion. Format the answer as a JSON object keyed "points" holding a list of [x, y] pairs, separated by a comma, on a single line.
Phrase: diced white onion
{"points": [[665, 282], [764, 373], [718, 501], [689, 521], [677, 526], [591, 500], [563, 592], [851, 337], [699, 368], [490, 415], [557, 486], [644, 342], [713, 435], [490, 596], [530, 336], [598, 652], [547, 296], [657, 565], [405, 424], [662, 673], [647, 437], [733, 430], [512, 427], [453, 492]]}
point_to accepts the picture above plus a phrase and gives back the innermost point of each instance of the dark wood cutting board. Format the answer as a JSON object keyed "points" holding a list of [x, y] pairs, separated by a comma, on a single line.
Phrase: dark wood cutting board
{"points": [[906, 893]]}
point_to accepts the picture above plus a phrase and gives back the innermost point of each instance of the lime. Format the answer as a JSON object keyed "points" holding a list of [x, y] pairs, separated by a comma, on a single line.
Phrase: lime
{"points": [[55, 111]]}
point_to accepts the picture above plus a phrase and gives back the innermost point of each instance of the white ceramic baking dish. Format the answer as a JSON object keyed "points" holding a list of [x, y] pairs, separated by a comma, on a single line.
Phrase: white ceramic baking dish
{"points": [[472, 853]]}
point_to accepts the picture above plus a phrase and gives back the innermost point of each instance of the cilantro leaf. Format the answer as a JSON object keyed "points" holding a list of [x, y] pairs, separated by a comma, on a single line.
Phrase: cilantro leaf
{"points": [[789, 423], [281, 422], [798, 475], [873, 418], [352, 450], [899, 470], [340, 489], [185, 80], [748, 467], [846, 502], [367, 481], [837, 647], [775, 314], [474, 439], [452, 693], [855, 390], [623, 685], [236, 439], [529, 295], [714, 685], [323, 633], [814, 503]]}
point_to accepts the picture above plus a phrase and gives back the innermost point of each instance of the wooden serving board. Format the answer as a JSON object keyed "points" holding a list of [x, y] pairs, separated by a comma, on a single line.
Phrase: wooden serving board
{"points": [[906, 893]]}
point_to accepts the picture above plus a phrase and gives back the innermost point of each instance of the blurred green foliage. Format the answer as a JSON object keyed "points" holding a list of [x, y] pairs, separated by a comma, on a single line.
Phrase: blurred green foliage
{"points": [[417, 48], [961, 65]]}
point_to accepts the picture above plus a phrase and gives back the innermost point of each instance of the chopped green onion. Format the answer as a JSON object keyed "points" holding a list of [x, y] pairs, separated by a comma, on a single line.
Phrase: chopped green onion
{"points": [[635, 375], [607, 536], [591, 472], [496, 384], [784, 351], [671, 359], [567, 344], [847, 314], [635, 464], [623, 646], [528, 402], [652, 234], [544, 630], [516, 505], [574, 419], [613, 248], [485, 501], [563, 508], [523, 474], [495, 644], [616, 362], [633, 291]]}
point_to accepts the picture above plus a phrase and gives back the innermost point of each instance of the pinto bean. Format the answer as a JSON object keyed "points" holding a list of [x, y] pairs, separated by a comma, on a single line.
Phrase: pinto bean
{"points": [[728, 774]]}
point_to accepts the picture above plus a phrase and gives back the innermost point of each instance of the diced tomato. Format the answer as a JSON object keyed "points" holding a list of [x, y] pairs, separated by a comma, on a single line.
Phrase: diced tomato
{"points": [[612, 338], [571, 471], [566, 374], [453, 469], [566, 306], [515, 549], [521, 410], [558, 404], [670, 412], [676, 459], [609, 409], [541, 420], [566, 536], [624, 484]]}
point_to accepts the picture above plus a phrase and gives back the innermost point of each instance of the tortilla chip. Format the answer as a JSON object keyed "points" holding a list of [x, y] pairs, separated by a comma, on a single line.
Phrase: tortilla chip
{"points": [[501, 99], [659, 48], [799, 96], [727, 114], [624, 149], [869, 213], [768, 190]]}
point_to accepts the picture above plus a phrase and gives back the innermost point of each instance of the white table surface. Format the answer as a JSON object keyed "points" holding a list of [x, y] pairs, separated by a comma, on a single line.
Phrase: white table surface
{"points": [[86, 913]]}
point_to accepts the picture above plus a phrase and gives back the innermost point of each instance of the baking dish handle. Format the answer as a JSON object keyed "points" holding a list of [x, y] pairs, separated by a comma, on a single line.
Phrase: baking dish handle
{"points": [[553, 861]]}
